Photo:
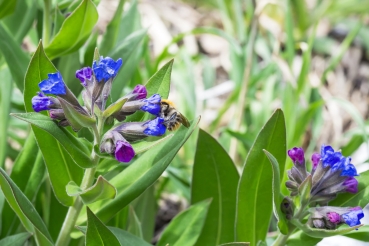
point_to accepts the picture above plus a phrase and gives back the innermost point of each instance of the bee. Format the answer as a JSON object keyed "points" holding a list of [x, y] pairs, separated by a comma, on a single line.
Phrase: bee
{"points": [[172, 118]]}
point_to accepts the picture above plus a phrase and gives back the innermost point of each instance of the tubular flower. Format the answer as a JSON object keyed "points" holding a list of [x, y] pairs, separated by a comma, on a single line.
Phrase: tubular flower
{"points": [[84, 75], [54, 84], [328, 217], [41, 102], [106, 68], [152, 104], [114, 143], [315, 159], [135, 103], [133, 131]]}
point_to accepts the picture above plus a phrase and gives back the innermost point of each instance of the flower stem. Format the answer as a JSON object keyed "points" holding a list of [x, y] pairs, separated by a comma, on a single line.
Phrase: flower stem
{"points": [[88, 178], [46, 29]]}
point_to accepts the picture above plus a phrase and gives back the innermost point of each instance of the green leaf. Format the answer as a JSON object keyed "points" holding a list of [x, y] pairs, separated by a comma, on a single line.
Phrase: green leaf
{"points": [[235, 244], [27, 173], [15, 240], [125, 50], [277, 198], [362, 234], [112, 30], [5, 103], [97, 233], [114, 107], [15, 57], [60, 165], [255, 199], [299, 238], [24, 209], [7, 7], [159, 83], [360, 198], [140, 175], [215, 176], [75, 118], [186, 227], [48, 125], [134, 224], [101, 190], [75, 30], [19, 27]]}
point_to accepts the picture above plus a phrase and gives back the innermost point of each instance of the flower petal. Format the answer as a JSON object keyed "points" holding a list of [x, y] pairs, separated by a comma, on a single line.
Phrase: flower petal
{"points": [[41, 102], [124, 151], [53, 85], [155, 127]]}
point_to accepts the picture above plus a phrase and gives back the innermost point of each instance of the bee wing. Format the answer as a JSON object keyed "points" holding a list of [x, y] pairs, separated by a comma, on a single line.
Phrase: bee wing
{"points": [[185, 122]]}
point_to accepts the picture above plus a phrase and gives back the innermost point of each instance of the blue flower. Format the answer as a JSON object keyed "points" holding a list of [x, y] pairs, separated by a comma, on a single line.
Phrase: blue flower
{"points": [[347, 168], [123, 151], [84, 74], [329, 157], [155, 127], [152, 104], [53, 85], [106, 68], [353, 217], [41, 102]]}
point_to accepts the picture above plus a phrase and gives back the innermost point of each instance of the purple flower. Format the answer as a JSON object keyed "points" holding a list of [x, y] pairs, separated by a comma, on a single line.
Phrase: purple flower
{"points": [[297, 155], [123, 151], [155, 127], [351, 185], [353, 217], [141, 92], [53, 85], [152, 104], [315, 158], [329, 156], [334, 217], [106, 68], [41, 102], [84, 74]]}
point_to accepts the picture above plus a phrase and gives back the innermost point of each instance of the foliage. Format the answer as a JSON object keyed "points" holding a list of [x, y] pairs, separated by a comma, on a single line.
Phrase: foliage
{"points": [[231, 172]]}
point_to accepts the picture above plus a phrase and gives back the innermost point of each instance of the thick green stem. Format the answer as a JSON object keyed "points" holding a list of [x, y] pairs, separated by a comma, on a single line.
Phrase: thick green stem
{"points": [[46, 29], [88, 178]]}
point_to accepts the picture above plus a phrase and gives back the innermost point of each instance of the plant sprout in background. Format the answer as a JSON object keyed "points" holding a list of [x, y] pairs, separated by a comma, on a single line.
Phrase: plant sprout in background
{"points": [[86, 157]]}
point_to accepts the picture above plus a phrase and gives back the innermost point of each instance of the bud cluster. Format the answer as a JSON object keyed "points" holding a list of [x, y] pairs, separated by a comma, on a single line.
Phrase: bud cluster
{"points": [[331, 173], [65, 109]]}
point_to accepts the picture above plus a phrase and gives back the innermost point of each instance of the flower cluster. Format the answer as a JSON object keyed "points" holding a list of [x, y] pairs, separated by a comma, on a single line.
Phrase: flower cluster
{"points": [[97, 82], [331, 173]]}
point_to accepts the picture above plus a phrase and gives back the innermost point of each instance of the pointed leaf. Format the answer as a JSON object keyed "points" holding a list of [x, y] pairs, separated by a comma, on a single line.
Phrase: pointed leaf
{"points": [[75, 118], [24, 209], [101, 190], [140, 175], [114, 107], [255, 199], [61, 170], [158, 83], [48, 125], [14, 55], [97, 233], [134, 224], [186, 227], [235, 244], [215, 176], [124, 237], [15, 240], [277, 198], [75, 30], [5, 105]]}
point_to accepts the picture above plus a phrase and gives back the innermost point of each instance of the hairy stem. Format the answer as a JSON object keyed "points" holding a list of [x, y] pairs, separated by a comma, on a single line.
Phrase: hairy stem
{"points": [[87, 181]]}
